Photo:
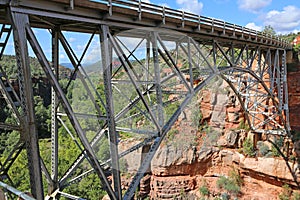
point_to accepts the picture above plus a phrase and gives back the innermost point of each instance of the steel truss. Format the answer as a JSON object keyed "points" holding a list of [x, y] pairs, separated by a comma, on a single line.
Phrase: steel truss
{"points": [[138, 81]]}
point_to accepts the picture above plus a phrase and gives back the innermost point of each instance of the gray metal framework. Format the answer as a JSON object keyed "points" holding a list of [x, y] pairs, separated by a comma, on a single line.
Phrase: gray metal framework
{"points": [[137, 87]]}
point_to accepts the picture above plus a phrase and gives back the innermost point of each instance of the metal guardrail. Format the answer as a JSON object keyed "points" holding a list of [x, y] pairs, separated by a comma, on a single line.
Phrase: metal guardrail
{"points": [[16, 192], [165, 12]]}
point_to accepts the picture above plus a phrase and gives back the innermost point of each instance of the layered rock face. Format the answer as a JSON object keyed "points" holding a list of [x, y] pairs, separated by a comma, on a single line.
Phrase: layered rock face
{"points": [[184, 180]]}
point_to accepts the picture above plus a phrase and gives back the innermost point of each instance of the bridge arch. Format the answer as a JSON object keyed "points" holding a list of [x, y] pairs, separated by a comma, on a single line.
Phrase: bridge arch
{"points": [[260, 104]]}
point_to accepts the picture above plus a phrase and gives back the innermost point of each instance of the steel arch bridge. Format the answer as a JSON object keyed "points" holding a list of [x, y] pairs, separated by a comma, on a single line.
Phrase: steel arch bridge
{"points": [[147, 53]]}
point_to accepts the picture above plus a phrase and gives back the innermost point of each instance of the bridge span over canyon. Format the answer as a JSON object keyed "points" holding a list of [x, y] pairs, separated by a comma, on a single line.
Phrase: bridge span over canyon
{"points": [[154, 62]]}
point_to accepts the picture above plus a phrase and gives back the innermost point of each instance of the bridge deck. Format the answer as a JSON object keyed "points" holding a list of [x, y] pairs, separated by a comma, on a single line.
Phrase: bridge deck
{"points": [[84, 15]]}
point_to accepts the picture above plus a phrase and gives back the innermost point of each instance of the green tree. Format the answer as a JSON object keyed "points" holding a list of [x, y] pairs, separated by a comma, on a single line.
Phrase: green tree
{"points": [[19, 172], [43, 118], [269, 30], [248, 148], [229, 185]]}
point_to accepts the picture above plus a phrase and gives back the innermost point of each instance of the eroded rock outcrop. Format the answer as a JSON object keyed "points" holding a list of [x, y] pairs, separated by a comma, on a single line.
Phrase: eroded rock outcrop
{"points": [[170, 179]]}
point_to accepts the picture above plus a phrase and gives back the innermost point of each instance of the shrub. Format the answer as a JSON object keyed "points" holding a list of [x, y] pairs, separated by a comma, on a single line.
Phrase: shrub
{"points": [[221, 182], [232, 187], [278, 143], [263, 149], [244, 125], [228, 184], [225, 196], [248, 148], [286, 192], [296, 196], [204, 191], [236, 178], [196, 116], [183, 194], [212, 136], [172, 133]]}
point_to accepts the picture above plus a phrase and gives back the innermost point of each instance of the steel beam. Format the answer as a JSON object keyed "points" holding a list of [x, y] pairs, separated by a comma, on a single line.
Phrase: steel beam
{"points": [[160, 114], [29, 133], [113, 137], [54, 103]]}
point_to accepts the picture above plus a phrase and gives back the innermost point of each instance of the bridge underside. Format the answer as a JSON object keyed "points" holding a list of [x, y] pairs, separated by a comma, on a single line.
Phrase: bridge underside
{"points": [[146, 78]]}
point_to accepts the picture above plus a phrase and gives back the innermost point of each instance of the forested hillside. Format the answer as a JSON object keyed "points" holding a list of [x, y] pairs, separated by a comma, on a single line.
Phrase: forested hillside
{"points": [[89, 187]]}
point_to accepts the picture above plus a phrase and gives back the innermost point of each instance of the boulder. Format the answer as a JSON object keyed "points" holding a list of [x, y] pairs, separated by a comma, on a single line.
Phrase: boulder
{"points": [[229, 139]]}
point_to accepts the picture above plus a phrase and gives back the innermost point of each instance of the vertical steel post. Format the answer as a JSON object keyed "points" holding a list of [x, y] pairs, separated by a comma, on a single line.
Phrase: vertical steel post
{"points": [[277, 77], [29, 133], [190, 63], [286, 94], [54, 122], [232, 53], [107, 71], [259, 64], [147, 63], [157, 81]]}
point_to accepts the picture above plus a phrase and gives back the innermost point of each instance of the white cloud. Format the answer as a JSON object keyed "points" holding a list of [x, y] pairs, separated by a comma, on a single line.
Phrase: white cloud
{"points": [[193, 6], [72, 39], [93, 53], [62, 58], [164, 5], [146, 1], [80, 47], [286, 20], [296, 31], [253, 6], [253, 26]]}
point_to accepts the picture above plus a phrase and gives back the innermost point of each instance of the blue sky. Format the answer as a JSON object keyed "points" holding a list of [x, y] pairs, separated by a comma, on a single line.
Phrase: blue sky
{"points": [[282, 15]]}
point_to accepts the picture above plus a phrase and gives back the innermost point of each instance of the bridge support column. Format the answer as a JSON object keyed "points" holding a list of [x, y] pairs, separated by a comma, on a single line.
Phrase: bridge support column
{"points": [[54, 122], [29, 132], [113, 138], [160, 115]]}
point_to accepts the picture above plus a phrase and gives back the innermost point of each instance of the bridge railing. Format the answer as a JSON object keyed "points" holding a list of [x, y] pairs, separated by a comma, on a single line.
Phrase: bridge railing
{"points": [[21, 195], [201, 21]]}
